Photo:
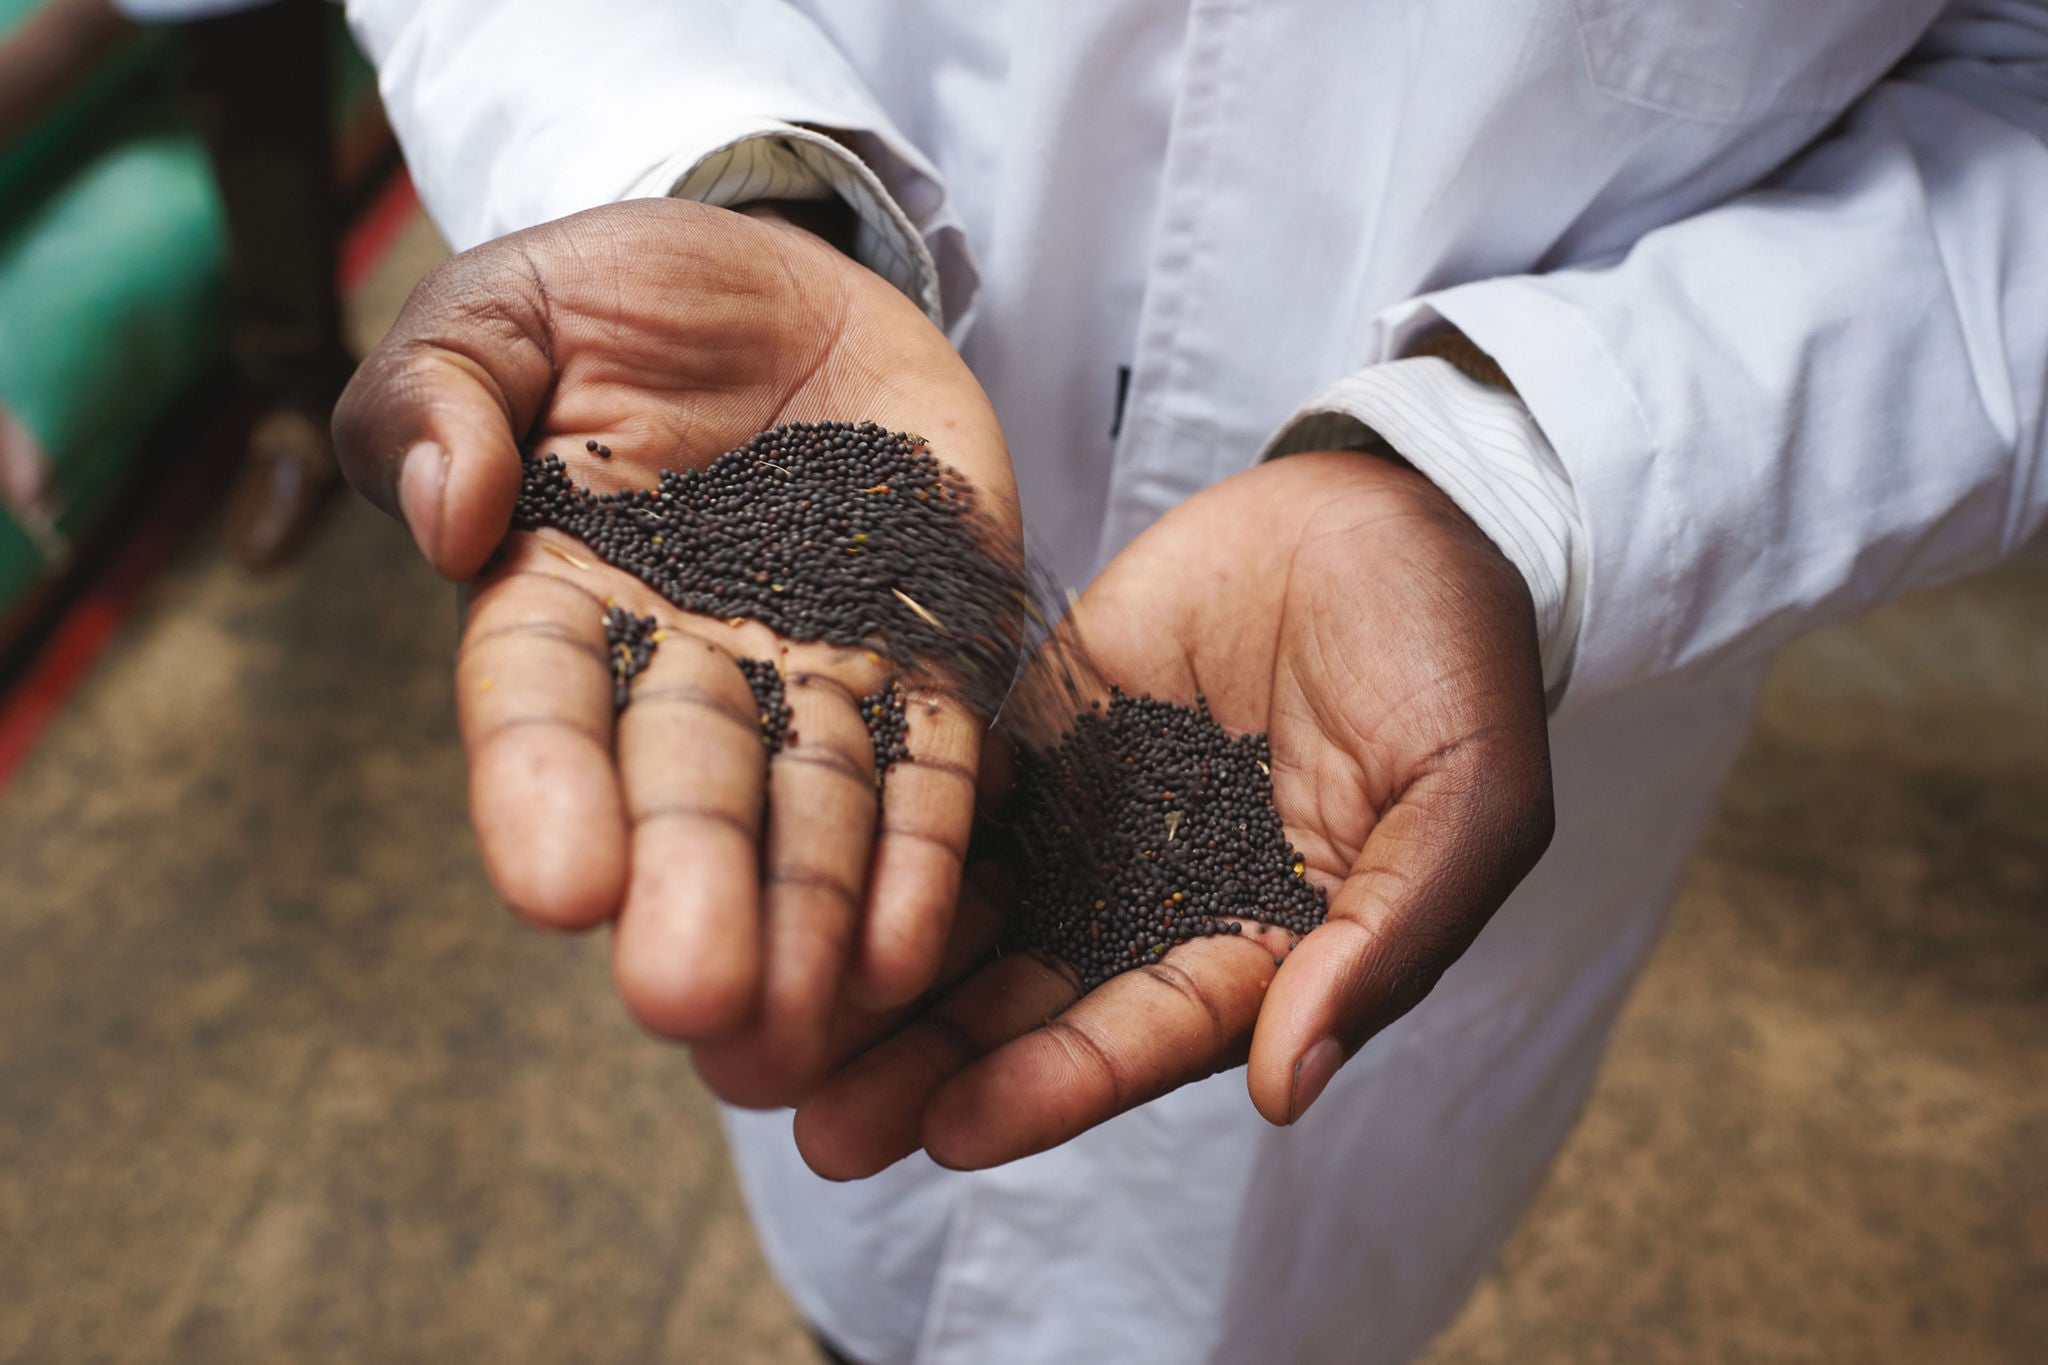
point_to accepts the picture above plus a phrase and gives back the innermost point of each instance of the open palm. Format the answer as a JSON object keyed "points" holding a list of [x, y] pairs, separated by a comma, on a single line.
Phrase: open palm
{"points": [[747, 893], [1343, 605]]}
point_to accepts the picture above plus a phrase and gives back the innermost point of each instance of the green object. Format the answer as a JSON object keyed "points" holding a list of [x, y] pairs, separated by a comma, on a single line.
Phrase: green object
{"points": [[110, 289], [143, 61], [21, 563], [354, 79], [112, 258]]}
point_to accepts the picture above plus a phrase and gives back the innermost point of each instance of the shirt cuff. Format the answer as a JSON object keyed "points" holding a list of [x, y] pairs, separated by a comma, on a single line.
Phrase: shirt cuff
{"points": [[1482, 448], [786, 161]]}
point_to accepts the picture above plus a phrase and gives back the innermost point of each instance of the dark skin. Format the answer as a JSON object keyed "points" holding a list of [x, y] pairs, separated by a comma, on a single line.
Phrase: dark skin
{"points": [[1337, 601], [1342, 604], [671, 332]]}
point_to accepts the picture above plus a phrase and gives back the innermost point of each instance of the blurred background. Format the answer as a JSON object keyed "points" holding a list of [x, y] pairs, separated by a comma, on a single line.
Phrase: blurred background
{"points": [[279, 1081]]}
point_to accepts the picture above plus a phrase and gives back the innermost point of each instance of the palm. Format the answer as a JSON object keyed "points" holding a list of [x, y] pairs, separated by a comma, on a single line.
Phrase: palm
{"points": [[1345, 608], [744, 891]]}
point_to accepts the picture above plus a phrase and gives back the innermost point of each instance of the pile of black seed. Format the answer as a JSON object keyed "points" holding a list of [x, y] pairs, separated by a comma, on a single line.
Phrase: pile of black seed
{"points": [[1148, 825], [882, 711], [629, 644], [835, 531], [764, 680]]}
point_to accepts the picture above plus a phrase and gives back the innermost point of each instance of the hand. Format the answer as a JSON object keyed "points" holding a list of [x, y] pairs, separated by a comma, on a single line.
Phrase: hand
{"points": [[671, 332], [1344, 605]]}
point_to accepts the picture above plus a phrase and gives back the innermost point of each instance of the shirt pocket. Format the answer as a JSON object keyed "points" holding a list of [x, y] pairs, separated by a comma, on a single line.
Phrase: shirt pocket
{"points": [[1734, 60]]}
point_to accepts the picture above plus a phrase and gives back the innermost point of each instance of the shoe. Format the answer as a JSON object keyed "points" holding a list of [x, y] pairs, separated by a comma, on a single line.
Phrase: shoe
{"points": [[288, 474]]}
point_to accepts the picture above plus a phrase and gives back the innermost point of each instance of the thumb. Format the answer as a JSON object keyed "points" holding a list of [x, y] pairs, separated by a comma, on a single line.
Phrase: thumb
{"points": [[1435, 867], [429, 428]]}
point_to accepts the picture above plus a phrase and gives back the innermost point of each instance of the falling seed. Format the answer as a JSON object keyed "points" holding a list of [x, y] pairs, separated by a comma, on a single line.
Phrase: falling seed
{"points": [[729, 542], [1082, 813]]}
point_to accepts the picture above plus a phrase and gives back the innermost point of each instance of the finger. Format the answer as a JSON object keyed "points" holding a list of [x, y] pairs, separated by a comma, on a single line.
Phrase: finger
{"points": [[871, 1114], [1432, 872], [428, 428], [821, 827], [728, 1066], [914, 878], [1132, 1039], [534, 702], [687, 957]]}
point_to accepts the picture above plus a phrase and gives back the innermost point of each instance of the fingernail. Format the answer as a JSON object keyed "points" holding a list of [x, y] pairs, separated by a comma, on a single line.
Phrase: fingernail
{"points": [[422, 477], [1311, 1074]]}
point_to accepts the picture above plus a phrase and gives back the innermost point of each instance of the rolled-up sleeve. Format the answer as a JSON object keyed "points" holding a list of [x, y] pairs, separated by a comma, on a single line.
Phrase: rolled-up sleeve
{"points": [[514, 112], [1819, 395]]}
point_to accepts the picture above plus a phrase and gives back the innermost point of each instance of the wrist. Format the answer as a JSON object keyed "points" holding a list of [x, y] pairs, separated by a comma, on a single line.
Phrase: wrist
{"points": [[832, 221], [1383, 472], [1370, 485], [1481, 446]]}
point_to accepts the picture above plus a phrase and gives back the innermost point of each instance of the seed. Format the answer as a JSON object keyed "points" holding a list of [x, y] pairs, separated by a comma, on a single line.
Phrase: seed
{"points": [[789, 530], [764, 680], [630, 642], [887, 726], [1083, 823]]}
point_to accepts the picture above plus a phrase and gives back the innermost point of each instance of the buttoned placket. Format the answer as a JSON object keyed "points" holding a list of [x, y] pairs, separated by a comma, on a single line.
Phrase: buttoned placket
{"points": [[1165, 450]]}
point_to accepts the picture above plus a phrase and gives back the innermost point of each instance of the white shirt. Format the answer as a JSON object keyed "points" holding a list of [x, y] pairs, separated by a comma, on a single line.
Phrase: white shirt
{"points": [[1776, 315]]}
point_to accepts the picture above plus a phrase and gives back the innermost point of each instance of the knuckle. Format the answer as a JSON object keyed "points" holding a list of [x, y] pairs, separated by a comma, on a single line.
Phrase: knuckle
{"points": [[1175, 978], [943, 1043], [1087, 1056]]}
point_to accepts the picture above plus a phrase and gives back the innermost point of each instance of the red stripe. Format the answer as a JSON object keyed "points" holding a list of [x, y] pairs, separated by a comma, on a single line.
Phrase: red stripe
{"points": [[35, 702], [62, 663], [373, 233], [68, 653]]}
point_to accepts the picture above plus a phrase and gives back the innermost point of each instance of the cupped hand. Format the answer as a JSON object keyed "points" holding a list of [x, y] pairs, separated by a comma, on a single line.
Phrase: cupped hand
{"points": [[669, 332], [1342, 604]]}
